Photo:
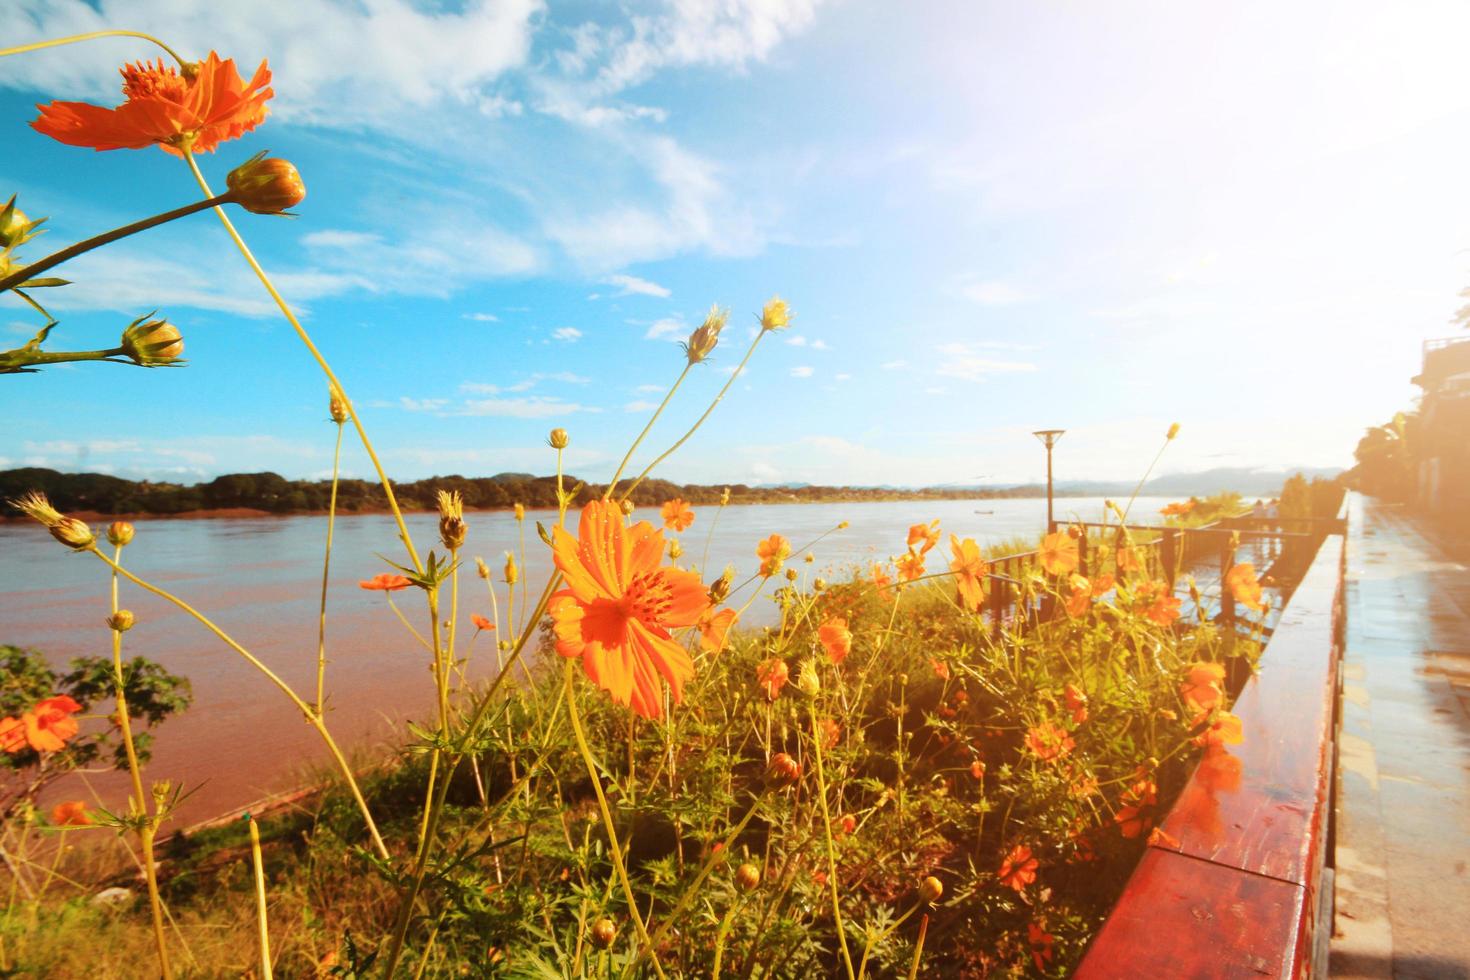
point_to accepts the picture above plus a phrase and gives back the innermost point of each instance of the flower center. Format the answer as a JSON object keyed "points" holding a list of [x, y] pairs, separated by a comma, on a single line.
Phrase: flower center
{"points": [[146, 81], [648, 597]]}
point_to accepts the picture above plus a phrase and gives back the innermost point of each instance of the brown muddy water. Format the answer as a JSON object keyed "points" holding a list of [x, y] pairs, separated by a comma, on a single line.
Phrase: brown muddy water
{"points": [[259, 579]]}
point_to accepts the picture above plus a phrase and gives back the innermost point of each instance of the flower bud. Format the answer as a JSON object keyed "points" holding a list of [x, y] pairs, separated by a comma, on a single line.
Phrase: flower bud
{"points": [[263, 186], [154, 343], [121, 621], [776, 315], [558, 439], [512, 573], [807, 681], [720, 591], [1173, 430], [15, 227], [706, 336], [819, 584], [119, 533], [725, 497], [73, 533], [337, 406], [783, 770], [604, 933], [627, 508], [930, 889], [675, 550], [791, 575], [452, 528], [747, 877], [520, 512], [482, 569]]}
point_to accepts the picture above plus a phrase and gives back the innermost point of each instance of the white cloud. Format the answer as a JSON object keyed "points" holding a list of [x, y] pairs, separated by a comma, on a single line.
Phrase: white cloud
{"points": [[669, 328], [801, 372], [820, 345], [991, 293], [433, 259], [844, 377], [366, 64], [631, 285], [568, 335], [649, 388], [481, 317], [640, 406], [421, 404], [522, 408], [796, 340], [894, 365], [962, 361]]}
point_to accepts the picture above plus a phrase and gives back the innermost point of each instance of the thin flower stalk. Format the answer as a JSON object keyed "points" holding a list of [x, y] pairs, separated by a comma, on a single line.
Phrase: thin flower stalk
{"points": [[700, 421], [321, 633], [147, 825], [316, 354], [817, 737], [90, 36], [259, 865], [281, 685], [612, 485]]}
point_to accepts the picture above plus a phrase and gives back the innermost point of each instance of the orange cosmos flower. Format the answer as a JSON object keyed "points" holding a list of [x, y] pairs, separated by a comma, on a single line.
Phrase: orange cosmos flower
{"points": [[1135, 815], [73, 813], [49, 724], [1018, 869], [1224, 730], [910, 566], [1081, 597], [1058, 554], [1177, 509], [384, 583], [12, 735], [941, 669], [847, 824], [197, 111], [831, 733], [1203, 686], [1157, 603], [970, 571], [882, 582], [1128, 560], [1102, 585], [619, 606], [1049, 741], [927, 535], [713, 626], [677, 514], [772, 552], [1076, 703], [772, 675], [1244, 586], [836, 639], [1041, 943], [481, 623], [977, 769]]}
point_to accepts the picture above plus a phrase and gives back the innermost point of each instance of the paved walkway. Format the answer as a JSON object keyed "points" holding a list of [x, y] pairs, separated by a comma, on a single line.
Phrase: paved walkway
{"points": [[1403, 832]]}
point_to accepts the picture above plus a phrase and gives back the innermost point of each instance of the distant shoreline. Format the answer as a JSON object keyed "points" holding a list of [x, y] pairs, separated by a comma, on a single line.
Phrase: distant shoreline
{"points": [[253, 513]]}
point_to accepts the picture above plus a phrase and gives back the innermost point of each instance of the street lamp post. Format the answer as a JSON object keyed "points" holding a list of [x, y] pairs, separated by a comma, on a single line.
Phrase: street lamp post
{"points": [[1049, 438]]}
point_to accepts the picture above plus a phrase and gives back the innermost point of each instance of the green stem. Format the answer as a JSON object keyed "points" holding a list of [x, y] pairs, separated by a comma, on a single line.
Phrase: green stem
{"points": [[614, 848], [321, 361], [707, 412], [321, 633], [14, 361], [831, 848], [91, 36], [72, 251], [281, 685]]}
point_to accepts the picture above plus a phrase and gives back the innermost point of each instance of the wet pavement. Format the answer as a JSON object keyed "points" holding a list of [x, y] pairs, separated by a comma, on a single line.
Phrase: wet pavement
{"points": [[1403, 822]]}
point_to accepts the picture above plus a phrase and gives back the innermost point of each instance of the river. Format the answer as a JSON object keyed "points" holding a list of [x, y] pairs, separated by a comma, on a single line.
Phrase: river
{"points": [[260, 580]]}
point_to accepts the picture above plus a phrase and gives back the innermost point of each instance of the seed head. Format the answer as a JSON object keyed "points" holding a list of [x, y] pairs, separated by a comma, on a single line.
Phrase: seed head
{"points": [[1173, 430], [819, 584], [520, 512], [512, 573], [720, 591], [747, 877], [152, 343], [337, 406], [807, 681], [776, 315], [706, 335], [69, 531], [122, 620], [725, 497], [451, 519], [676, 550], [604, 933], [628, 508], [119, 533], [482, 569], [263, 186], [558, 439]]}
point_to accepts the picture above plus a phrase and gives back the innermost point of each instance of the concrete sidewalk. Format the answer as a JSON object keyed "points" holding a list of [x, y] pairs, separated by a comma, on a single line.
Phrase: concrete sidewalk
{"points": [[1403, 831]]}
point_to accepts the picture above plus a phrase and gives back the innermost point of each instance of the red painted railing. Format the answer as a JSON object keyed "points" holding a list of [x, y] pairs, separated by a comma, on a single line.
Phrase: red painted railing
{"points": [[1233, 888]]}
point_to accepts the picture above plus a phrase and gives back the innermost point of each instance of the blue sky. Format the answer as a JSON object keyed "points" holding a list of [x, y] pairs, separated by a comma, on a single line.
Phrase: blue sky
{"points": [[988, 218]]}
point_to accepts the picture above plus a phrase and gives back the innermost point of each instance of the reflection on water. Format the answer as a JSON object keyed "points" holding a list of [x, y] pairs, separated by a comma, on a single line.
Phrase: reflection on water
{"points": [[260, 579]]}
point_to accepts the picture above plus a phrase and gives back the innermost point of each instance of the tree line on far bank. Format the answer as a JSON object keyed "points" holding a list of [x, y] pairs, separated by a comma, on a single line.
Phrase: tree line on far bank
{"points": [[272, 492]]}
